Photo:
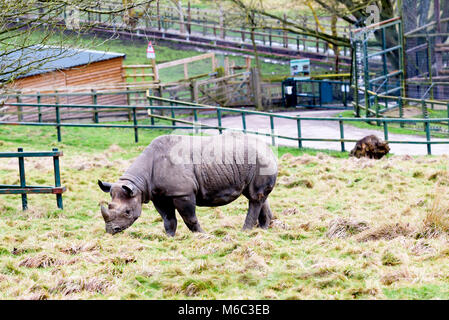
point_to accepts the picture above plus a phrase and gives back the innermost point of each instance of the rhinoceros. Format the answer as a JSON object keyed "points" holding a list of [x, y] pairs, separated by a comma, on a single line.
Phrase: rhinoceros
{"points": [[181, 172]]}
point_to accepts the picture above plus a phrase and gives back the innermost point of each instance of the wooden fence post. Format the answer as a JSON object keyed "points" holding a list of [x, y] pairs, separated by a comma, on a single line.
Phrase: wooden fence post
{"points": [[214, 63], [189, 18], [194, 86], [186, 71], [270, 37], [248, 63], [158, 13], [221, 25], [255, 85], [226, 66], [204, 25], [285, 39]]}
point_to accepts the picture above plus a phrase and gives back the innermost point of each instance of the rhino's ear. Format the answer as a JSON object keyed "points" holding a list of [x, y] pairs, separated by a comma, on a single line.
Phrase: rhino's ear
{"points": [[105, 186], [130, 189]]}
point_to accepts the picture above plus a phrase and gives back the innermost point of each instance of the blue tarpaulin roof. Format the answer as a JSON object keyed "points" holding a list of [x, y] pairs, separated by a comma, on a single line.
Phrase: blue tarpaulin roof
{"points": [[41, 59]]}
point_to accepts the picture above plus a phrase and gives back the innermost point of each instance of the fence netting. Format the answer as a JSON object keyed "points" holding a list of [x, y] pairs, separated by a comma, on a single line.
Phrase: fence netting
{"points": [[426, 30]]}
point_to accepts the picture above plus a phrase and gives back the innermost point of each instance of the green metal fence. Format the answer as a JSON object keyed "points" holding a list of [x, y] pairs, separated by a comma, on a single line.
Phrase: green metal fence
{"points": [[23, 188], [400, 102], [371, 69], [174, 106]]}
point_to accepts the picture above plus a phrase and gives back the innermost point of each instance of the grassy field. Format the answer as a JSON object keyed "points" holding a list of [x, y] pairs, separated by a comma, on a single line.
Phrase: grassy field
{"points": [[344, 229]]}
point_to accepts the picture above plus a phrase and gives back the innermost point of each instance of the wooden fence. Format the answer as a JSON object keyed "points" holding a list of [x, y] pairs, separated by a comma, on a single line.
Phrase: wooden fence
{"points": [[141, 74], [186, 61]]}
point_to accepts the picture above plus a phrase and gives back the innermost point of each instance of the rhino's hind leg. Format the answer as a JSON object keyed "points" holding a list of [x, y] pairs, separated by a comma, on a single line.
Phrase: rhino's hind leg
{"points": [[166, 209], [253, 214], [186, 208], [265, 215]]}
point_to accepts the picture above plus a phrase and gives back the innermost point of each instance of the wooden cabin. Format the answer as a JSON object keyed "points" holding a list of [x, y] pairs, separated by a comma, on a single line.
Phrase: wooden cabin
{"points": [[69, 70]]}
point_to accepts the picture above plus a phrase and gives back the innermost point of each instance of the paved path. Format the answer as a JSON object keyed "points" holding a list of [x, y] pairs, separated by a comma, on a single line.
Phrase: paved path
{"points": [[326, 129]]}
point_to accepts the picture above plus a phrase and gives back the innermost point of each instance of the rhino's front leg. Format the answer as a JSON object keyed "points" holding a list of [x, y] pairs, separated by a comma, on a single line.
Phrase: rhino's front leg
{"points": [[166, 209], [186, 208]]}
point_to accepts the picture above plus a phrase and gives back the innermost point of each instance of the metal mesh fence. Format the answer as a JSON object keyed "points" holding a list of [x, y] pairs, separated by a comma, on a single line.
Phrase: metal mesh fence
{"points": [[426, 30]]}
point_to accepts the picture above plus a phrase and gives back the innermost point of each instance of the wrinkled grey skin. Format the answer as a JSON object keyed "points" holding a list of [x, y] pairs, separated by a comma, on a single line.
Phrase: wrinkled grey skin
{"points": [[244, 166]]}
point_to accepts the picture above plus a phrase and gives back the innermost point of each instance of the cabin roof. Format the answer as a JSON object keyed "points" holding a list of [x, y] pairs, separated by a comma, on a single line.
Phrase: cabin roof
{"points": [[39, 59]]}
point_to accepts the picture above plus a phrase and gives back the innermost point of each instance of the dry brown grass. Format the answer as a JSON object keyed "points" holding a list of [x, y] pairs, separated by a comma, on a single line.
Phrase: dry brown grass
{"points": [[387, 232], [436, 220], [76, 285], [81, 247], [40, 261], [343, 228], [391, 277]]}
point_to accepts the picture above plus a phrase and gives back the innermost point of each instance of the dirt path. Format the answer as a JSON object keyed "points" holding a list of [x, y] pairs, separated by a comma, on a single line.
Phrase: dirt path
{"points": [[326, 129]]}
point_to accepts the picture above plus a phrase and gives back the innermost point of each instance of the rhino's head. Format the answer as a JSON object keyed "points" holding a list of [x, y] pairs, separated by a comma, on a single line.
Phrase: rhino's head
{"points": [[125, 207]]}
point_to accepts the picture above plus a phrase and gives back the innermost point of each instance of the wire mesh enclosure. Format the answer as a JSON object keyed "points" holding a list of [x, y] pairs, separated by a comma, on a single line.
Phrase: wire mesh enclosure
{"points": [[426, 31], [377, 64]]}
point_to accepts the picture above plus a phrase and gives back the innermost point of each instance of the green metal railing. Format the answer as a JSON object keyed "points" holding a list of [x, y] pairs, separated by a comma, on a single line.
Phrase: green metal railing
{"points": [[23, 188], [363, 52], [194, 108], [401, 101]]}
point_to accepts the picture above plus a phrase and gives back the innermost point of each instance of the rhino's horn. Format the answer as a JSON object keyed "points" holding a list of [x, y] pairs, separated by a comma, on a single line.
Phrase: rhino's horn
{"points": [[104, 186], [104, 213]]}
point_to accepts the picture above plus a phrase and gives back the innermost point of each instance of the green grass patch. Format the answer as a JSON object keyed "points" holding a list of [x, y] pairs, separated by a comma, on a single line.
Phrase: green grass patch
{"points": [[425, 292]]}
